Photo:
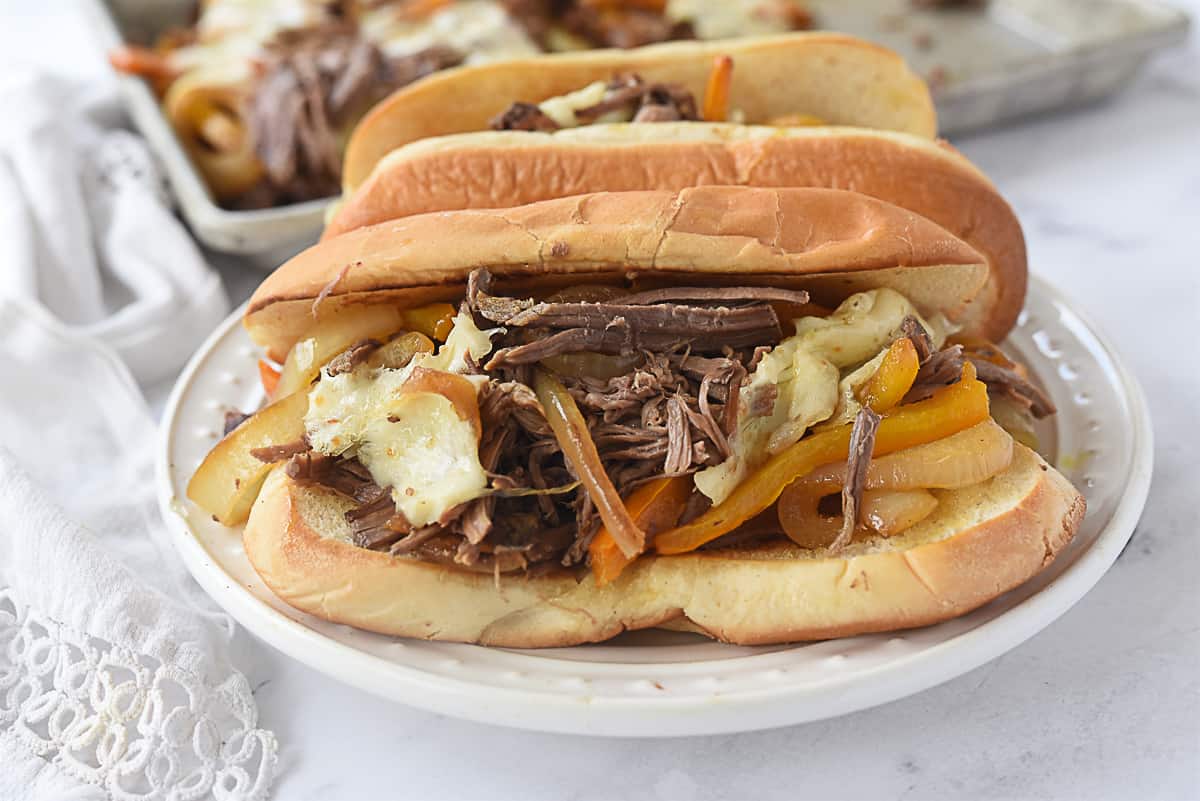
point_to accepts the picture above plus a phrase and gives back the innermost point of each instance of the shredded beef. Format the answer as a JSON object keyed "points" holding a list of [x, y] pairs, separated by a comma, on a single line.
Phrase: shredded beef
{"points": [[277, 453], [941, 369], [945, 367], [645, 102], [352, 357], [632, 331], [415, 539], [345, 476], [686, 352], [313, 82], [1009, 382], [671, 414], [523, 117], [862, 445], [663, 102], [375, 524], [911, 327]]}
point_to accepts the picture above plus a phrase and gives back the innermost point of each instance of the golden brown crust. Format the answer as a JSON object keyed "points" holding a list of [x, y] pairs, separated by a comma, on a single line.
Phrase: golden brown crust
{"points": [[707, 233], [501, 169], [836, 78], [981, 542]]}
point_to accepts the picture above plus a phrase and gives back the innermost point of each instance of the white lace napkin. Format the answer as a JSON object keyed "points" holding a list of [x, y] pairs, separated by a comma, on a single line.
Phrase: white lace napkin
{"points": [[115, 674]]}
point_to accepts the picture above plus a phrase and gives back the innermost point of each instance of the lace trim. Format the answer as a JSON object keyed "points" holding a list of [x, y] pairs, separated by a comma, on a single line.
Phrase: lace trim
{"points": [[140, 728]]}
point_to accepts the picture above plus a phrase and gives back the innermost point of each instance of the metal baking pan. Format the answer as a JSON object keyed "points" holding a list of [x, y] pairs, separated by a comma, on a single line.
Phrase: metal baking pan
{"points": [[267, 236], [1010, 59], [1014, 57]]}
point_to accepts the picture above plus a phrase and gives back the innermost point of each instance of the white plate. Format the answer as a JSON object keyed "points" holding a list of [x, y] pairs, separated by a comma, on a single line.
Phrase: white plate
{"points": [[663, 684]]}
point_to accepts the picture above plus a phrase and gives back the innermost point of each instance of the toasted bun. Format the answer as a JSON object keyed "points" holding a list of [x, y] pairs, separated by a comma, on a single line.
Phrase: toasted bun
{"points": [[829, 241], [978, 543], [839, 79], [495, 169]]}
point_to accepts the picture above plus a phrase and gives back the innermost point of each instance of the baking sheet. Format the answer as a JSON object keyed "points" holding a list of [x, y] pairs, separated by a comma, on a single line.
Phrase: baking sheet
{"points": [[986, 66], [1015, 57]]}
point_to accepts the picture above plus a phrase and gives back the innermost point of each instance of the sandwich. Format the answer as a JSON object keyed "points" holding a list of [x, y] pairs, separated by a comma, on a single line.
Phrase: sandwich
{"points": [[779, 81], [761, 414], [263, 94], [677, 116]]}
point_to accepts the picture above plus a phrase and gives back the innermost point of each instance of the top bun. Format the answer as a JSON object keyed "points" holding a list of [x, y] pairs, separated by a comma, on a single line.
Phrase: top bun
{"points": [[831, 242]]}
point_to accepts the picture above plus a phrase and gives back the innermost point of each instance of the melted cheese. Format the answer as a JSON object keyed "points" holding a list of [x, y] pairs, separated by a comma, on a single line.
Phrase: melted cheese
{"points": [[236, 30], [414, 443], [480, 29], [729, 18], [257, 19], [426, 454], [804, 373], [562, 109]]}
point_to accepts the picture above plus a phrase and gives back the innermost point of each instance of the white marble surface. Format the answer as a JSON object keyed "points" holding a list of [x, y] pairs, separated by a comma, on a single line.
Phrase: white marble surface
{"points": [[1105, 703]]}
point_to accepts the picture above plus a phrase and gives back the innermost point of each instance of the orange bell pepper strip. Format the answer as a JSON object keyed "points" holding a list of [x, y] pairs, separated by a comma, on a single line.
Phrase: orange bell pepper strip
{"points": [[434, 321], [894, 378], [269, 377], [950, 410], [655, 506], [716, 91]]}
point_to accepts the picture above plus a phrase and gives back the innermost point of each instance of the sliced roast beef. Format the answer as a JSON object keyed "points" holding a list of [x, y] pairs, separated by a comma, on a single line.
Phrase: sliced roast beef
{"points": [[945, 367], [628, 92], [345, 476], [523, 117], [941, 369], [712, 295], [862, 445], [666, 318], [911, 327], [623, 335], [352, 356], [312, 83], [372, 523], [1005, 380], [277, 453]]}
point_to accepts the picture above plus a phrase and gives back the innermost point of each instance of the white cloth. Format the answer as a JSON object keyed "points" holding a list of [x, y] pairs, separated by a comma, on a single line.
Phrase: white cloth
{"points": [[87, 230], [115, 673]]}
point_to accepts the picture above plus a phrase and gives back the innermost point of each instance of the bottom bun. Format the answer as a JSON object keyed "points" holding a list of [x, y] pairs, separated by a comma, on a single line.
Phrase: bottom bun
{"points": [[980, 542]]}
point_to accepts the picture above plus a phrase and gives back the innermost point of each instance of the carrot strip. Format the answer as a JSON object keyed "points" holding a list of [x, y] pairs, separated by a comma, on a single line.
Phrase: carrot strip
{"points": [[716, 92], [269, 377], [654, 506]]}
